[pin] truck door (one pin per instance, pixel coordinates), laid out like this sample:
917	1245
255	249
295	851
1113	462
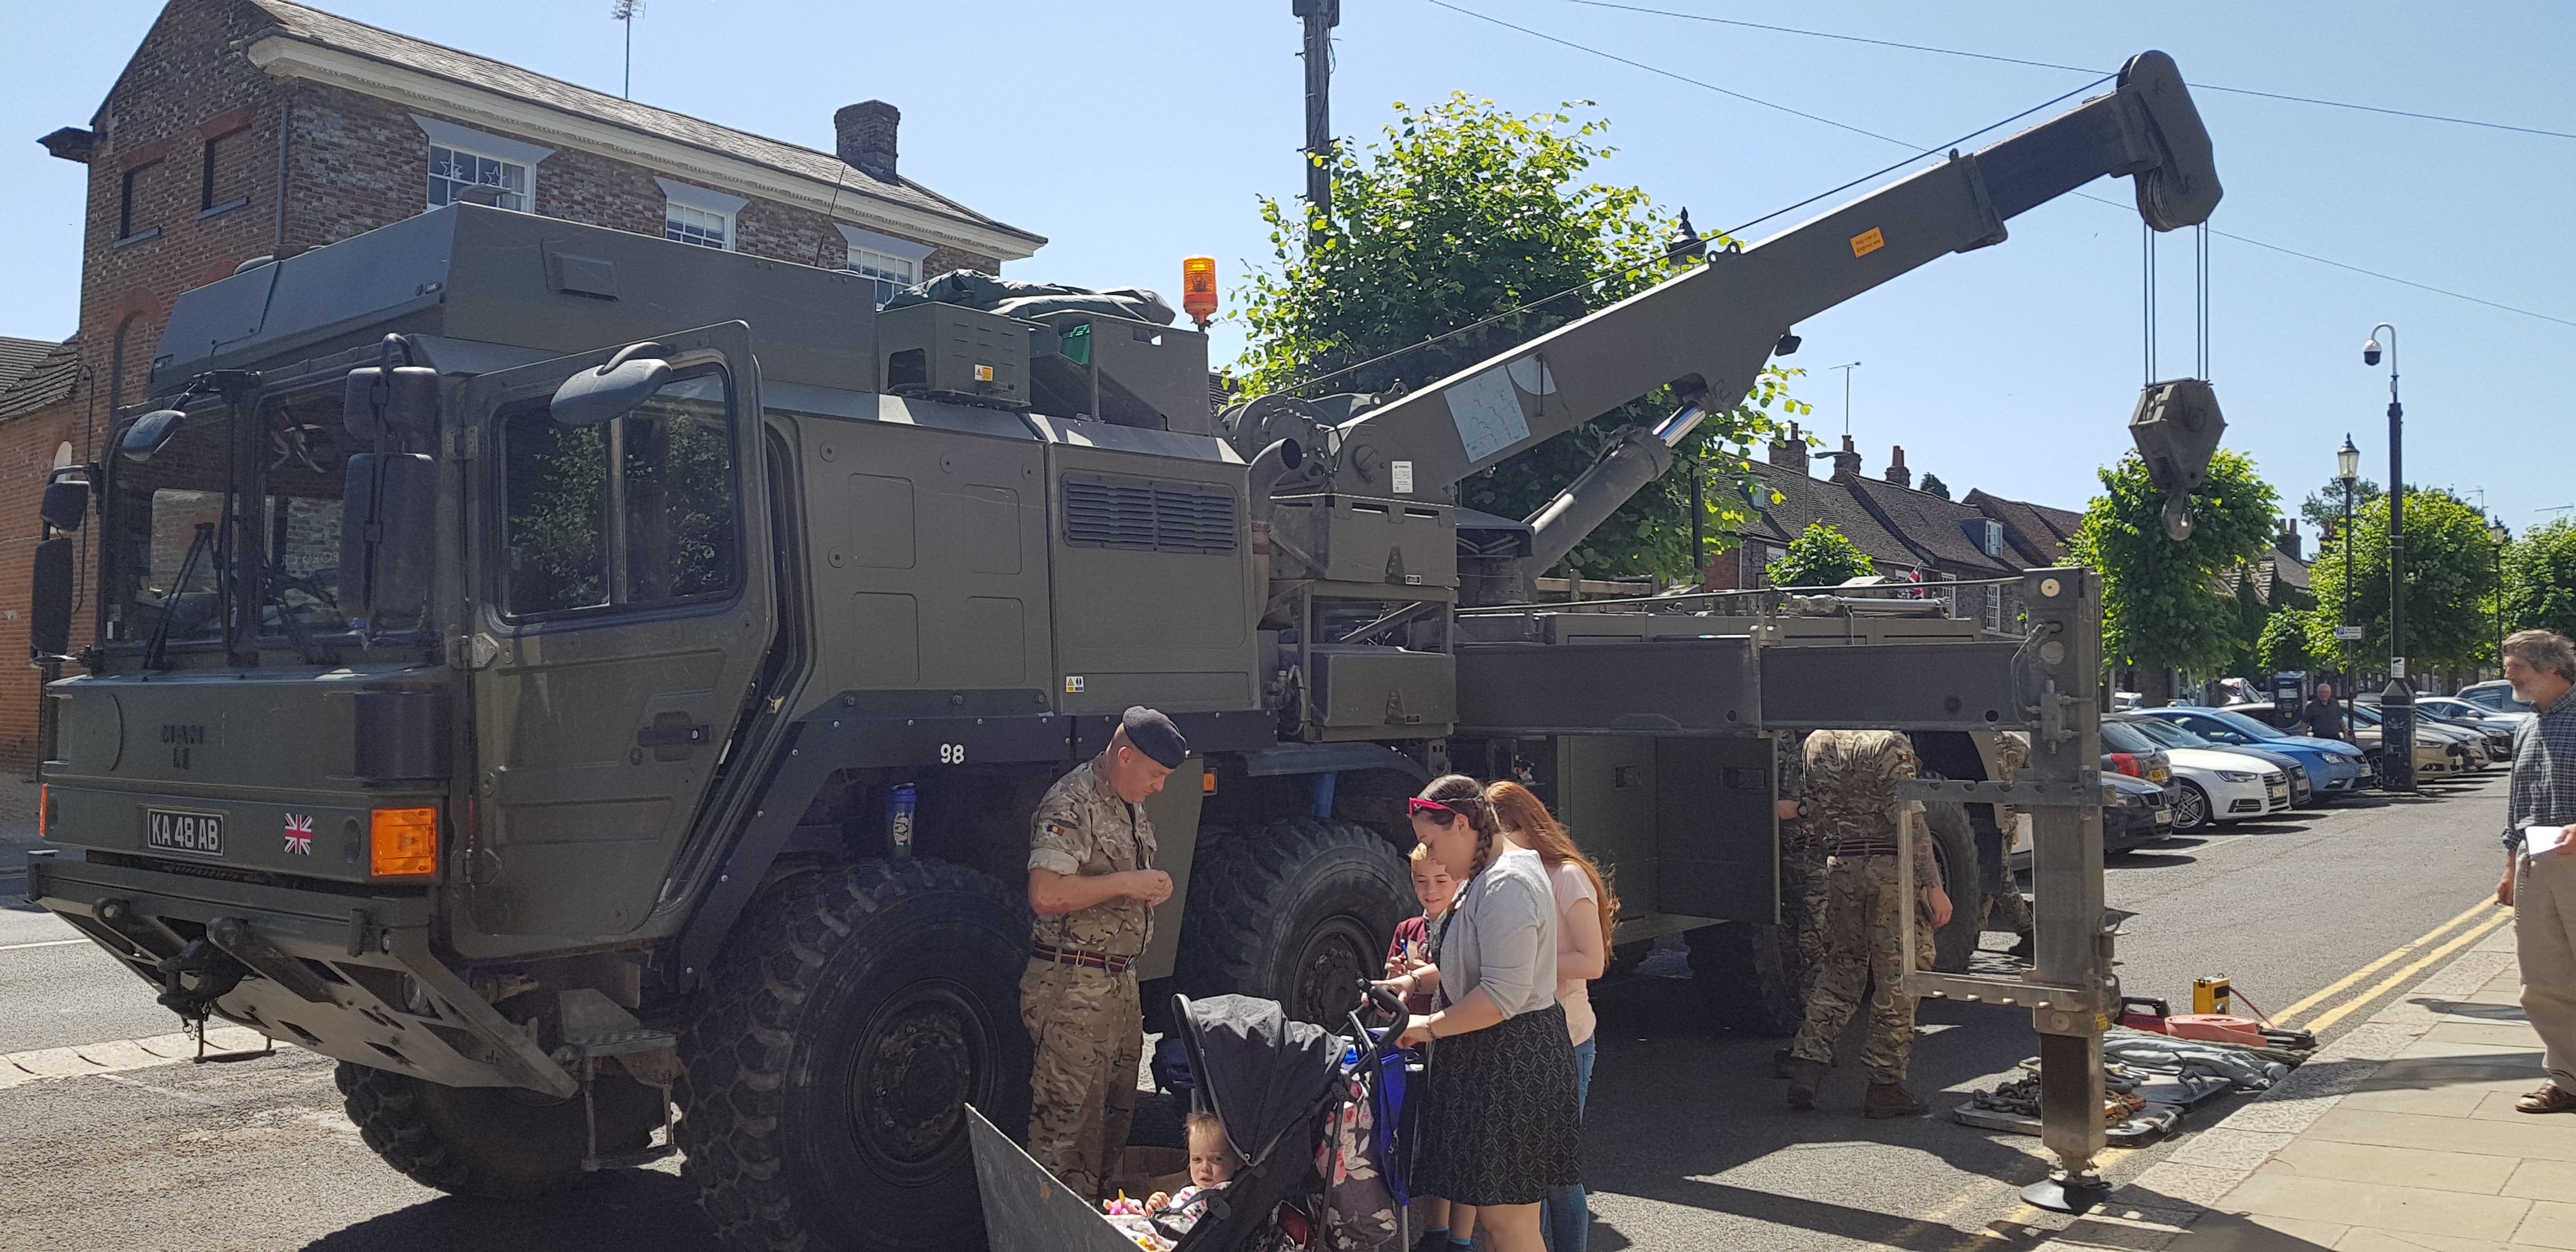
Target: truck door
620	599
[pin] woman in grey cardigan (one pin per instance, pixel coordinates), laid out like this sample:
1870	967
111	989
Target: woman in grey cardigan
1501	1125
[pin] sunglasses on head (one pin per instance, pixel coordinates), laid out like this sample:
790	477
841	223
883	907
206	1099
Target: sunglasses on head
1437	811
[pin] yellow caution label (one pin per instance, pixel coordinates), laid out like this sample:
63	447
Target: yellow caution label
983	373
1867	242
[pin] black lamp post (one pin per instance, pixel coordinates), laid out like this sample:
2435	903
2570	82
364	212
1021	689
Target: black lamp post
2347	468
2397	702
2496	531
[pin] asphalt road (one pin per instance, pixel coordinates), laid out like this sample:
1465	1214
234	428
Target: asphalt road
1688	1142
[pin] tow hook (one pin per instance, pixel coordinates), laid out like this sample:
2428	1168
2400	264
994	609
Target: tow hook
216	971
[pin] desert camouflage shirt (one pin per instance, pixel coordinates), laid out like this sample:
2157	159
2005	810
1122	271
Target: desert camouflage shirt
1850	790
1082	827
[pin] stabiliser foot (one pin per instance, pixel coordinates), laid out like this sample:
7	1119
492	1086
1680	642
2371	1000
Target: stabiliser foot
2064	1193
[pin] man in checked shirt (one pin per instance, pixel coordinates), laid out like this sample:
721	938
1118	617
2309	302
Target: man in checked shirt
2541	886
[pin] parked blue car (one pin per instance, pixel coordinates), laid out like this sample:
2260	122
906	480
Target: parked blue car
2334	767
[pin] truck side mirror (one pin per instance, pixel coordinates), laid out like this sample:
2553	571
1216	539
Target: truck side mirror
385	526
599	396
49	609
149	434
66	504
399	401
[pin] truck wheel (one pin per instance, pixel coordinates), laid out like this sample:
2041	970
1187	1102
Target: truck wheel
851	1015
1747	975
1954	844
493	1143
1296	911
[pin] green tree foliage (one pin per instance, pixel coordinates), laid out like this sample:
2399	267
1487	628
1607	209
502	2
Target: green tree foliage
2540	579
1822	557
1464	231
2161	603
1933	486
2450	579
2323	509
2283	644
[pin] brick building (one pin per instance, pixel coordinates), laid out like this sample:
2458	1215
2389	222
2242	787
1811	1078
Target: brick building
253	128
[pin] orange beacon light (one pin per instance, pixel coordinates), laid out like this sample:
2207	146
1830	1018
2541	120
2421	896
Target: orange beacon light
1198	288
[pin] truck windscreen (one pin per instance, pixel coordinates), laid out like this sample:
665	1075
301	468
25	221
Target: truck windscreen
166	547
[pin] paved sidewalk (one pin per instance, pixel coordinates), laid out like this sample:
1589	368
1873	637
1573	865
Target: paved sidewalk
2400	1136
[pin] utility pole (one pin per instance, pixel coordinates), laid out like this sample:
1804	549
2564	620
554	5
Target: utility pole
1320	16
2397	703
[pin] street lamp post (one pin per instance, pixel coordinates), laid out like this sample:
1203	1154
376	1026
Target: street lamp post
2347	468
2497	533
2397	702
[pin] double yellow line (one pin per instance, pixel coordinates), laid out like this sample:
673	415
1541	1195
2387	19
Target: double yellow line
2333	1004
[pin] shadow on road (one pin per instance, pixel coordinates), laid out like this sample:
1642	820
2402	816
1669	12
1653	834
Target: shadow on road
1705	1147
627	1210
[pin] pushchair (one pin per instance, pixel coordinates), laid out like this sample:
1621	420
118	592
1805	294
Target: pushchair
1285	1091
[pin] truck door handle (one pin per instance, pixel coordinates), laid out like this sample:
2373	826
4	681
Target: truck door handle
670	736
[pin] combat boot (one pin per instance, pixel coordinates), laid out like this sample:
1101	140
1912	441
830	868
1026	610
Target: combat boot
1804	1078
1887	1099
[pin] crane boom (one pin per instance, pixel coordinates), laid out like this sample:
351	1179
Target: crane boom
1706	333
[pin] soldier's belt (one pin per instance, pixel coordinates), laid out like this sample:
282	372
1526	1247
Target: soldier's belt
1863	849
1076	956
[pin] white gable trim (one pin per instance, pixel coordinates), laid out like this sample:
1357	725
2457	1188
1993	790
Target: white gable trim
887	244
283	57
450	135
700	198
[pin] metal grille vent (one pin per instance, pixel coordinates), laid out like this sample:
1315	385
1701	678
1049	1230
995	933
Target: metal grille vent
1144	516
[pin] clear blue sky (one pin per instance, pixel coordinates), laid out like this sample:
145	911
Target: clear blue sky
1135	132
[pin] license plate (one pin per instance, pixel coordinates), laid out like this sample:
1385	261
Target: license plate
171	831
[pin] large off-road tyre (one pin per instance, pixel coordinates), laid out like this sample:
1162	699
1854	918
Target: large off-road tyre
1747	974
493	1143
852	1014
1296	911
1954	844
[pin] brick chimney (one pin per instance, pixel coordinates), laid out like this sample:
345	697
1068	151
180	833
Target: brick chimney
2288	540
1896	471
1790	453
866	132
1847	463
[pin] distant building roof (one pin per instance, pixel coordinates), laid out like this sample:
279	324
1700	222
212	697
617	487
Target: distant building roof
477	75
17	356
1931	525
2037	532
46	380
1804	500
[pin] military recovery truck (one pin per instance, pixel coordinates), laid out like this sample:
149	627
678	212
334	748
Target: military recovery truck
566	675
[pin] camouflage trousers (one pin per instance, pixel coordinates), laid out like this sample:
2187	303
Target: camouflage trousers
1089	1036
1802	911
1861	935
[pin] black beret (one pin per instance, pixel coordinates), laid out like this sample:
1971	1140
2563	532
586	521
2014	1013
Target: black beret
1153	734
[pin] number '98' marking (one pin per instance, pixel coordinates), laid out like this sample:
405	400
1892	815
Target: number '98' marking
952	754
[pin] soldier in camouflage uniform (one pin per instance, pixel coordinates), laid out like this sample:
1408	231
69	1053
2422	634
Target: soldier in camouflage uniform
1852	808
1093	885
2011	751
1802	876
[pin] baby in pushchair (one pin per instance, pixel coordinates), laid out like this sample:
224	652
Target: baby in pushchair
1164	1217
1292	1147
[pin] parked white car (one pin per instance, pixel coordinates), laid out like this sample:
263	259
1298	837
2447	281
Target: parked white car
2208	784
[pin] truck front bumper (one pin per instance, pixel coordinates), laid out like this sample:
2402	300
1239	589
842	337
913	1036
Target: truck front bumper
348	975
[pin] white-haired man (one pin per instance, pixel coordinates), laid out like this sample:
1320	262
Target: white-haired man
2540	855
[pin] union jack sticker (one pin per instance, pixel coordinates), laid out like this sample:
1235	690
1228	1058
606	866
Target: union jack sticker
299	834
